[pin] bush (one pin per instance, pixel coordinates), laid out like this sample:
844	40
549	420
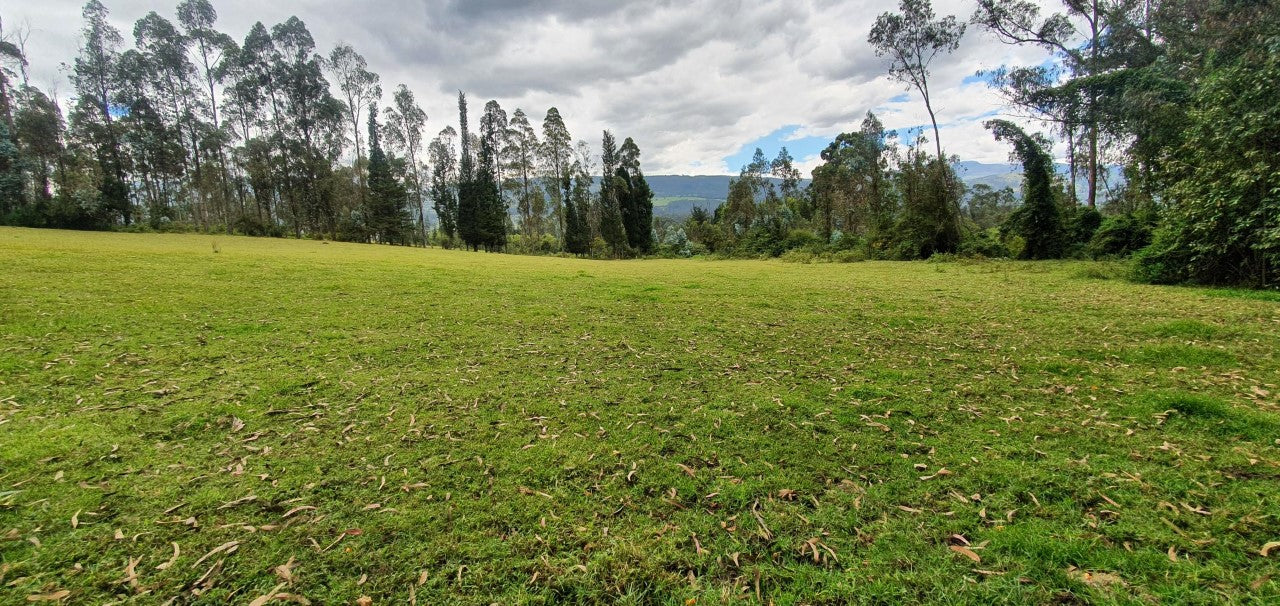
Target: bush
802	239
985	244
1120	236
1082	223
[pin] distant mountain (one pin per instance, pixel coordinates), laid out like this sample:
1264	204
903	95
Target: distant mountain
676	196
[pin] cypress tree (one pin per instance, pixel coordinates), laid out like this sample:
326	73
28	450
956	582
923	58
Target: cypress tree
385	214
469	192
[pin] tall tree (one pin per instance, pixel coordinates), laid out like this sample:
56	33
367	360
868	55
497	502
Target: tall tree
359	87
470	192
522	165
635	198
610	219
1093	40
386	212
211	47
406	123
12	181
557	166
1038	221
912	40
492	208
94	76
444	182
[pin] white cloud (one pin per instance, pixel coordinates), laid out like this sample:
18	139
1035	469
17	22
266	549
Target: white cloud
691	81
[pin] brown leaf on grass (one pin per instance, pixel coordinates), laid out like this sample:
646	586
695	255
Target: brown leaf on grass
49	597
285	571
787	494
131	574
685	468
269	596
941	472
966	552
296	510
240	501
697	545
228	547
422	578
75	519
1095	579
1173	554
364	600
172	560
1266	549
909	509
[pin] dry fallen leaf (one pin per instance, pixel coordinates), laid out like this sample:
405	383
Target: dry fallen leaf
966	552
172	560
1266	549
270	595
1094	579
364	600
285	570
49	597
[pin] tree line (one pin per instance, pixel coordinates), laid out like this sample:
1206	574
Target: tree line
190	129
1183	95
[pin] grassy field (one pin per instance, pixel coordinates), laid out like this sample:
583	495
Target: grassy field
197	419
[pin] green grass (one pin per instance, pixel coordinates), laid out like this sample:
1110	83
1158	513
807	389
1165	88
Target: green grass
475	429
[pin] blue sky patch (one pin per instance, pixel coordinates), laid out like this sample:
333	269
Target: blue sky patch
799	148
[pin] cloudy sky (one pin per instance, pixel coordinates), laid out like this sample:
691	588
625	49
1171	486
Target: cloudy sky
699	84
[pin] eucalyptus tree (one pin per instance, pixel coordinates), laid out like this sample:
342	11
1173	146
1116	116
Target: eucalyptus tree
163	75
94	76
312	118
851	188
522	166
405	124
211	48
556	163
10	54
444	181
912	40
359	87
1091	38
40	138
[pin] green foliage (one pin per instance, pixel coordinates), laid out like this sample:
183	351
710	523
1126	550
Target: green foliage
386	214
12	179
1221	223
1120	236
1038	221
929	221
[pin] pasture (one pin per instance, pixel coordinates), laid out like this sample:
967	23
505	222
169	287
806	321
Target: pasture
214	419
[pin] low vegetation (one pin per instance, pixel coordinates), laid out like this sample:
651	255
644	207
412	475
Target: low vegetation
239	420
